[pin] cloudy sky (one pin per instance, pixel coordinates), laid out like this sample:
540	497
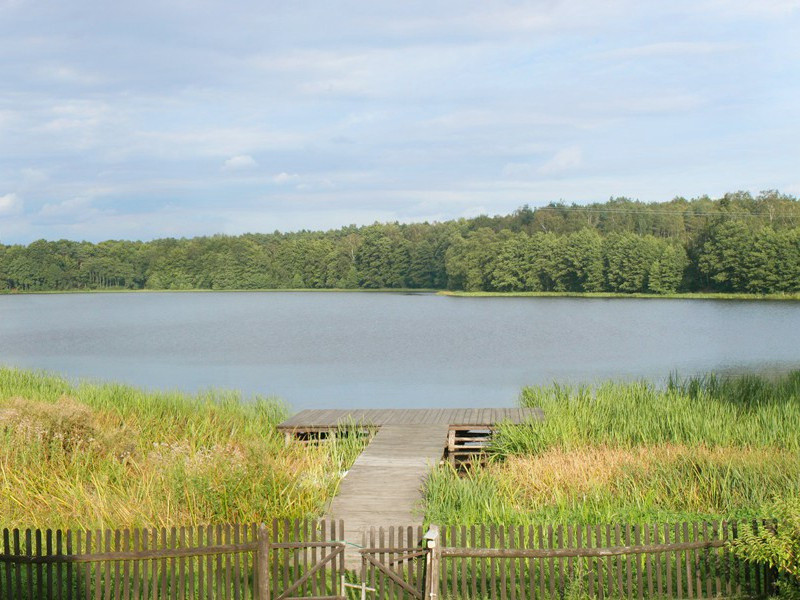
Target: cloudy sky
185	117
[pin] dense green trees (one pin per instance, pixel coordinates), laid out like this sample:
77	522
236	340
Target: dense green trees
738	243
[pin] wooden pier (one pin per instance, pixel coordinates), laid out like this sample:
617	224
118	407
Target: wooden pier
385	482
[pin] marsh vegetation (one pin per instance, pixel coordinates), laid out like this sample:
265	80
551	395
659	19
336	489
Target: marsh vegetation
702	448
107	456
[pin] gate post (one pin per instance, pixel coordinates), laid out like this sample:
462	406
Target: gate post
262	563
432	560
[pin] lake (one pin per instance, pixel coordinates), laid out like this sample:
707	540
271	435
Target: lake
351	350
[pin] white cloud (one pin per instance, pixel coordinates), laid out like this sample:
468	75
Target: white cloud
666	103
665	49
202	140
241	162
68	74
74	208
564	160
10	204
283	178
31	176
762	8
77	114
518	170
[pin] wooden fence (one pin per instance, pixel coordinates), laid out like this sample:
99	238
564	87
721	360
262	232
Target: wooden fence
203	562
293	559
685	560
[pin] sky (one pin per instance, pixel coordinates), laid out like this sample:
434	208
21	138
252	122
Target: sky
169	118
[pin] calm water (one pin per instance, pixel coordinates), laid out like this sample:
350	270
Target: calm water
394	350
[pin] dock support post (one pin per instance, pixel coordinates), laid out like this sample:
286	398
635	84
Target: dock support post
451	446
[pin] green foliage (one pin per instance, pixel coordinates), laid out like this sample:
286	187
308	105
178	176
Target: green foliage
777	545
629	259
735	244
701	448
714	411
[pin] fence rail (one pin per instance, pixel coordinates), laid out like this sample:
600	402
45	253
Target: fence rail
635	561
305	558
202	562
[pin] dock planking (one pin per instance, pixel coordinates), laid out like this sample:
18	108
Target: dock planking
312	420
384	484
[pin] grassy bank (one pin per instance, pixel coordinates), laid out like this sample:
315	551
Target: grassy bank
676	296
111	456
702	448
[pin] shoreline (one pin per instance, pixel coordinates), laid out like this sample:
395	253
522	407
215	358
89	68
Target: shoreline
744	297
618	295
236	290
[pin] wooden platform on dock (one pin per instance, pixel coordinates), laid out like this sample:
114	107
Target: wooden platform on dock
316	420
384	484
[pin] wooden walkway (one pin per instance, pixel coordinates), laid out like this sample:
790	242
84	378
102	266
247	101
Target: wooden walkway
384	484
311	420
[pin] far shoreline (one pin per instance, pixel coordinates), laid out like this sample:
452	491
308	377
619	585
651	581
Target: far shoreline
211	291
742	297
619	295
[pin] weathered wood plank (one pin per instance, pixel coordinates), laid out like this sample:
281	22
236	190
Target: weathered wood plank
383	486
330	419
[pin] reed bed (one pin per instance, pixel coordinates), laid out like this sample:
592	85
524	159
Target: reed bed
702	448
86	455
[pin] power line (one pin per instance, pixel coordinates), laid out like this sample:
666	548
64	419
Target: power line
680	213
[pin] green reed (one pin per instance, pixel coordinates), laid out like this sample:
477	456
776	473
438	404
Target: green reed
707	447
108	455
710	410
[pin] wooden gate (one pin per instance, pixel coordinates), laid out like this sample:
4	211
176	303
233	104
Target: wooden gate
334	551
393	562
303	560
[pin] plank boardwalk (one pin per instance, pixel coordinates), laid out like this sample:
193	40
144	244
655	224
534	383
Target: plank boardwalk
310	420
385	482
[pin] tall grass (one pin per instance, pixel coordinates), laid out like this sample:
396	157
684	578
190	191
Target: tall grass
107	455
748	411
705	447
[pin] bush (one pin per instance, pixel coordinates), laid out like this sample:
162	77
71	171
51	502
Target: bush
777	545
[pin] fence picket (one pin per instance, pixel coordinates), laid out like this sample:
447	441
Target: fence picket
646	563
531	566
680	560
637	537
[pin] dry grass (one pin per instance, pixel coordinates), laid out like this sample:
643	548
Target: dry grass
706	447
112	456
610	484
599	471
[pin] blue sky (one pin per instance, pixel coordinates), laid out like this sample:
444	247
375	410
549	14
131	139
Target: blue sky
181	118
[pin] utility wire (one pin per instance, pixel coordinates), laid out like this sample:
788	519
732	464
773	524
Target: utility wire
680	213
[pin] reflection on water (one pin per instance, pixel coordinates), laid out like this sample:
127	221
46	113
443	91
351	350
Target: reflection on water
375	349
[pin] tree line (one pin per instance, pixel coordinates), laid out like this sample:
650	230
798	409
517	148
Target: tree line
737	243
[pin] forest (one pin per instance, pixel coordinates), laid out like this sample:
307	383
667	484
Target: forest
739	243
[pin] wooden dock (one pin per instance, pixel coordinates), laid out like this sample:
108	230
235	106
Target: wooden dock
385	482
318	420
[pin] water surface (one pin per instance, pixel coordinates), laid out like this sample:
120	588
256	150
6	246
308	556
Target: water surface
343	350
